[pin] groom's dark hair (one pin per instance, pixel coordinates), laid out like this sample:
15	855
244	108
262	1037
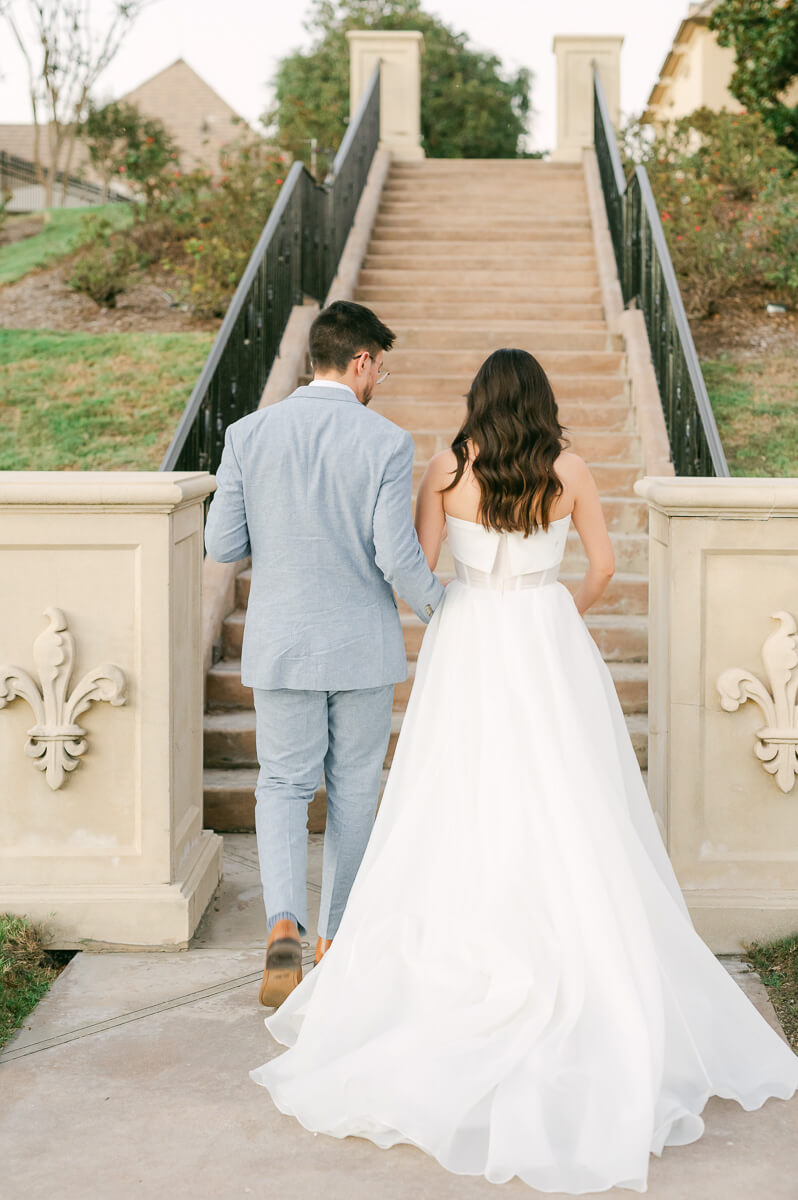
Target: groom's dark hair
341	330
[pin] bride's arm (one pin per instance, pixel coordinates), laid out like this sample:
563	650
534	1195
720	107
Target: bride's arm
430	520
588	520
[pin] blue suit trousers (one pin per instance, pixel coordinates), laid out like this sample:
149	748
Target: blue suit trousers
298	734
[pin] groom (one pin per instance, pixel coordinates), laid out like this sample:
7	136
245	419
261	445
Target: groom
317	489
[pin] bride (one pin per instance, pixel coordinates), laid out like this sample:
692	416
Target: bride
516	986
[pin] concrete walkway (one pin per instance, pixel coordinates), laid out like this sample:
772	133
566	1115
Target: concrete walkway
130	1080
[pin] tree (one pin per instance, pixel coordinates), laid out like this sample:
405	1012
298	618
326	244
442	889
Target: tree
123	142
64	53
469	107
764	36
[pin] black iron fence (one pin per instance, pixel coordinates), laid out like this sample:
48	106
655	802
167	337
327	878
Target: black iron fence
296	255
648	279
23	191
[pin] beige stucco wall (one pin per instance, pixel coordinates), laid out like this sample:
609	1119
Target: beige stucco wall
575	55
399	54
117	851
723	559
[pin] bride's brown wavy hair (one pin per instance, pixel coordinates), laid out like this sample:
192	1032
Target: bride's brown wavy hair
511	418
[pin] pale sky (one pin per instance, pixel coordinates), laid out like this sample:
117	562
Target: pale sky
235	46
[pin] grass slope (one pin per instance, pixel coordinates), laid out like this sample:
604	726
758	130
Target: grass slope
59	236
755	402
93	402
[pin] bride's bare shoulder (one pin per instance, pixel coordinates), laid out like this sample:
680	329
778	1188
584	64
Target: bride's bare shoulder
570	467
442	466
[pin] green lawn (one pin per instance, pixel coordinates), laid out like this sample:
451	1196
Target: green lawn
755	403
93	402
60	235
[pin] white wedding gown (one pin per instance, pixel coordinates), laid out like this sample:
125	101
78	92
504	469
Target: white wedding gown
516	986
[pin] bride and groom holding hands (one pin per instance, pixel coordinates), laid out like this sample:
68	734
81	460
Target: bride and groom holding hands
507	975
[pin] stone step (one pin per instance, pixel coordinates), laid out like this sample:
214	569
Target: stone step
473	313
448	415
501	301
487	166
229	800
437	208
607	387
534	336
590	444
625	593
229	792
530	233
577	284
485	266
462	362
566	246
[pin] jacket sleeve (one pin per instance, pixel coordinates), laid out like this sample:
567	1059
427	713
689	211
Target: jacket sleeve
226	532
397	550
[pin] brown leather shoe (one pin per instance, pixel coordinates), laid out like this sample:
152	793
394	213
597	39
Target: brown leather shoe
322	946
283	970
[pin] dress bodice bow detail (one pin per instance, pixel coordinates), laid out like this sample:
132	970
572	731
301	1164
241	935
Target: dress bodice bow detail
478	547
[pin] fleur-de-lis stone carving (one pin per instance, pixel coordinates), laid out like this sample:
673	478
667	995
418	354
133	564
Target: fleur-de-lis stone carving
776	744
56	742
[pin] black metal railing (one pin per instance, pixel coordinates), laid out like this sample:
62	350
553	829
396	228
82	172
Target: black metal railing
647	279
22	186
297	254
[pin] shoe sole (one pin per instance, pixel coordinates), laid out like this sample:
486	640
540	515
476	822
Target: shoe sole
282	973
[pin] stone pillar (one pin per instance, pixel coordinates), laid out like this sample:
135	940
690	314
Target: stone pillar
723	675
101	703
400	98
575	89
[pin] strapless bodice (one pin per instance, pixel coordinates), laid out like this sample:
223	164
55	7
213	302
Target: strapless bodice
506	560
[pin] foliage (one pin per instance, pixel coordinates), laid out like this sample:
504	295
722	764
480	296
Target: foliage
26	970
123	142
93	401
764	35
469	108
728	201
107	264
219	221
63	231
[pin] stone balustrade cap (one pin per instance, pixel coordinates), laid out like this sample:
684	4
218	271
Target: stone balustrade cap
156	489
755	498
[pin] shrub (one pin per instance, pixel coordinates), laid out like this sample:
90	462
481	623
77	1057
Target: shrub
106	264
728	197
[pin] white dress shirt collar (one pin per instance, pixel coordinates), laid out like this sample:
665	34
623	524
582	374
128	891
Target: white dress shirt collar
331	383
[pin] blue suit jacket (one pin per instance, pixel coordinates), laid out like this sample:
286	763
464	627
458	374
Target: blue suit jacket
317	488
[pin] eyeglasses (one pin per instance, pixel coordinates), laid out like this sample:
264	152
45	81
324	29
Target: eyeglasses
383	374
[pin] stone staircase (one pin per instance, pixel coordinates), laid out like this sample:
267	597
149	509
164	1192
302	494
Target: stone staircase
466	256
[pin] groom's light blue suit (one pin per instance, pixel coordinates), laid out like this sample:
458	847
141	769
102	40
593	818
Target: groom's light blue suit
318	489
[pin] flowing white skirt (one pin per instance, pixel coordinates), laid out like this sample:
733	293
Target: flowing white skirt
516	986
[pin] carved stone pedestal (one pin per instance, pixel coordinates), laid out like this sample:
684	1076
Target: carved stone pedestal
101	702
723	684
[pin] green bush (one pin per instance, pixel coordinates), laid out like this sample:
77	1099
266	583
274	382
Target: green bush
106	265
727	194
198	226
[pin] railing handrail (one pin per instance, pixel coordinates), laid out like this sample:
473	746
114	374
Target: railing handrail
660	248
354	124
682	324
231	316
609	130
